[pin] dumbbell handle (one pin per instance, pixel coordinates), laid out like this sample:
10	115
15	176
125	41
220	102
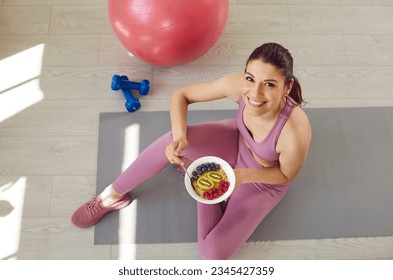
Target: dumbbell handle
119	82
132	104
127	94
131	85
143	87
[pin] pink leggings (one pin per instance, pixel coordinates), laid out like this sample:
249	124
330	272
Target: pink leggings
220	233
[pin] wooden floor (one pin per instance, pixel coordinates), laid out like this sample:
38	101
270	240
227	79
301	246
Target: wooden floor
57	58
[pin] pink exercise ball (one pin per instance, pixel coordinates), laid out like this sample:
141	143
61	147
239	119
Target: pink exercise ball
168	32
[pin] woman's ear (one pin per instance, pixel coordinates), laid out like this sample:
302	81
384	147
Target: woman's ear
289	87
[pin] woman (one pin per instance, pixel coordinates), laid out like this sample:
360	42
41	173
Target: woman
266	145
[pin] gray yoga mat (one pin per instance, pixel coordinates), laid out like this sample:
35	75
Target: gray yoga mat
344	189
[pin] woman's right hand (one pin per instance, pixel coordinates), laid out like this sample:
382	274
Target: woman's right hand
174	150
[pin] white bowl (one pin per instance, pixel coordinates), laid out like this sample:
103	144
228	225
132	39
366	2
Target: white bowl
224	165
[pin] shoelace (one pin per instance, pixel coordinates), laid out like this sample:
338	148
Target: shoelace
92	206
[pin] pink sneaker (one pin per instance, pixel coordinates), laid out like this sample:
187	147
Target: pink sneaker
93	211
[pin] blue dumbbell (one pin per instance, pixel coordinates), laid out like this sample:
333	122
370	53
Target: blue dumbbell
132	104
122	82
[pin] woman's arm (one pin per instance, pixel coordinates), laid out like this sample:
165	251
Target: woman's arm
267	175
229	86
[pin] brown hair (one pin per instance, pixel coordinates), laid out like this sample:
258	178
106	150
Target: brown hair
281	58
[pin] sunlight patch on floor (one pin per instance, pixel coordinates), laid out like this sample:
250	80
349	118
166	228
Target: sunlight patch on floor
19	83
11	211
128	215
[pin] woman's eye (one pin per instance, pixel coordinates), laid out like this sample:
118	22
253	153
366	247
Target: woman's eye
269	84
249	79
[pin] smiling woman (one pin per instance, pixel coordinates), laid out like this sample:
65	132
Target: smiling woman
278	57
266	145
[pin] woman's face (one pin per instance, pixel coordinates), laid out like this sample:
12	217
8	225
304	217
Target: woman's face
264	89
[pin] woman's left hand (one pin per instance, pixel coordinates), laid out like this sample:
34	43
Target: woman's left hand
174	150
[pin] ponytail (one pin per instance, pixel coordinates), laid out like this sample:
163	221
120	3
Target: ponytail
296	92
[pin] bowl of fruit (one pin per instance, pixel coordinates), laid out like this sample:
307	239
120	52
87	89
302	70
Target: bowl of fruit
212	180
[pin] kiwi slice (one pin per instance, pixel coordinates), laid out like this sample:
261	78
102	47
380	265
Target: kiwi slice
215	176
205	183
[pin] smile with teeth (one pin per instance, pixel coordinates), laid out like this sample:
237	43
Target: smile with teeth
256	103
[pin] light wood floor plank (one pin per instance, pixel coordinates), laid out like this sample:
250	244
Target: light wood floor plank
58	239
275	20
317	2
88	82
58	49
316	249
73	118
80	20
345	82
341	19
37	194
24	20
234	49
63	200
376	50
48	155
112	52
54	2
185	75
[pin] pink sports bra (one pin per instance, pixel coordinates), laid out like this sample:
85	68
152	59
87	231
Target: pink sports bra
265	149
